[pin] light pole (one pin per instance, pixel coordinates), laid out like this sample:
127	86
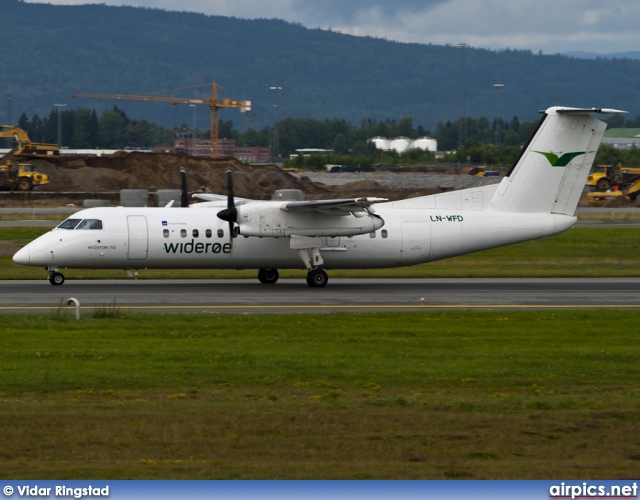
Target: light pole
9	109
498	86
194	133
462	132
274	153
59	124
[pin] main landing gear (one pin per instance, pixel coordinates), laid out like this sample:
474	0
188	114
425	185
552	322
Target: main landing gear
55	278
316	278
268	276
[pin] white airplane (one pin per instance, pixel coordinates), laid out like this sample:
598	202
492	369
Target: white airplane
537	198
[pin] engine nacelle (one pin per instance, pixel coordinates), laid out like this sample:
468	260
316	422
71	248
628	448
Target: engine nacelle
269	220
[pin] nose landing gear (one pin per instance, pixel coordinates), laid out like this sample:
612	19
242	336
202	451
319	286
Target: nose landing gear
55	278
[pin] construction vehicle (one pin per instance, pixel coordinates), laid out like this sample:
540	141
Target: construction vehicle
482	172
619	182
24	148
604	177
20	176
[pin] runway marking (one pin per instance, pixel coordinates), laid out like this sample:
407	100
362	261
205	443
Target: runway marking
328	307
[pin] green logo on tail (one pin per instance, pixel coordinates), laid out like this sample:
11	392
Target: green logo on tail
561	161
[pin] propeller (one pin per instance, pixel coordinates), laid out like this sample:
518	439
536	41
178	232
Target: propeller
184	196
230	214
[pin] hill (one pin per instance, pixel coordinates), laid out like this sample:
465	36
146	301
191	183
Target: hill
51	52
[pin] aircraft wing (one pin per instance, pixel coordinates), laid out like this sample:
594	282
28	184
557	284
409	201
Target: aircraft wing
219	197
336	207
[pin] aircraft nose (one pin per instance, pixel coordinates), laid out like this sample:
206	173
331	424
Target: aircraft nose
22	256
35	253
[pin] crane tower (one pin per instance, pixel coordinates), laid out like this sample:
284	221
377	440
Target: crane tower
210	100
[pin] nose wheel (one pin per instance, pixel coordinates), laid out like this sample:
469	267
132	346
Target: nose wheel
56	278
317	278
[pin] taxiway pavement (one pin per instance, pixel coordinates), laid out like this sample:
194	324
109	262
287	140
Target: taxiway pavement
294	295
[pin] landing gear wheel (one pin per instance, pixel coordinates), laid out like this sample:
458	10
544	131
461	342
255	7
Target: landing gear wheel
268	276
317	278
56	278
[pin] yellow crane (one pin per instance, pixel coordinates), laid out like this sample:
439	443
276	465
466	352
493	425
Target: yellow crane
210	100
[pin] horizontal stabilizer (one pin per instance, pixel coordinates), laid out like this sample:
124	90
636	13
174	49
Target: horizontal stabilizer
562	110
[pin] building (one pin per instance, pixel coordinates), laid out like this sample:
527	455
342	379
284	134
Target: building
185	142
623	138
306	152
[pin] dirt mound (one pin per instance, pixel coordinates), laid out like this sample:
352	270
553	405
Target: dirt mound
105	176
153	171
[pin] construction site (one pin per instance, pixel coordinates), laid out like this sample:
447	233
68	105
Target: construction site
38	175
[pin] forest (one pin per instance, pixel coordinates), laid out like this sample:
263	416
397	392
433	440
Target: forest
489	142
51	52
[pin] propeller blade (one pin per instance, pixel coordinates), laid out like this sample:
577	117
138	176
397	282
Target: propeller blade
230	201
230	214
184	196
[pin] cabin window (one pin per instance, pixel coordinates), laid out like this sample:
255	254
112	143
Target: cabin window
90	224
372	235
183	233
384	233
165	233
220	233
195	233
208	233
69	224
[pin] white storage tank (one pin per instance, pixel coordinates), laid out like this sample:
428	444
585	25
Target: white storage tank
425	144
400	144
380	143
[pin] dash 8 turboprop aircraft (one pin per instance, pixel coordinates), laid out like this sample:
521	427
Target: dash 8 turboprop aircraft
537	198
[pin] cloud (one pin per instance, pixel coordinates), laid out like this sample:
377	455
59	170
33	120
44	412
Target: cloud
356	11
548	25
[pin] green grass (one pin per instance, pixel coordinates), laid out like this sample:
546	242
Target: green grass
430	395
580	252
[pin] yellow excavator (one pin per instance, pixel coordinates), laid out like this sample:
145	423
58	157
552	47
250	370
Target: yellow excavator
24	148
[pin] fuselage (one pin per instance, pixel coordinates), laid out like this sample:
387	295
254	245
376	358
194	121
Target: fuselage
137	238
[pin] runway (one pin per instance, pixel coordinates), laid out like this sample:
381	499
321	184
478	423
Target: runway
293	295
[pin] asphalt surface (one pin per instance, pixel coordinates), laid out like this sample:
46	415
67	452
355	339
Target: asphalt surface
294	295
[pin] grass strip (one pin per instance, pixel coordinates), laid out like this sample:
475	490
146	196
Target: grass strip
431	395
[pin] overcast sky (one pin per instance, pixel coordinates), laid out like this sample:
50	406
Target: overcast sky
550	26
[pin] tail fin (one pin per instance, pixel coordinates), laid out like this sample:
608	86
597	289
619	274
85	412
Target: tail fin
551	170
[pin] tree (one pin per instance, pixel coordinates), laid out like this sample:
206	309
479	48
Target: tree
112	129
340	144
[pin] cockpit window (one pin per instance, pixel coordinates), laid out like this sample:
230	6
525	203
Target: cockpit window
81	224
69	224
90	224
